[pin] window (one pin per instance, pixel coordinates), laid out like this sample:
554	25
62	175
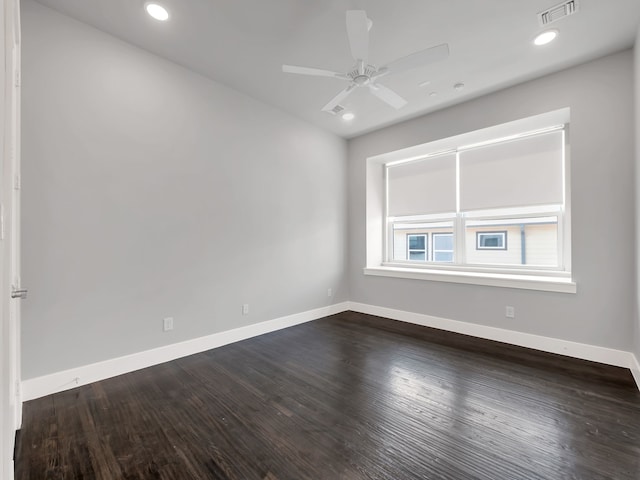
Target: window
442	247
491	240
515	183
425	247
417	247
490	202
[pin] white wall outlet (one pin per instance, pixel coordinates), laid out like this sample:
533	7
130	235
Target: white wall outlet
167	324
329	292
245	309
509	312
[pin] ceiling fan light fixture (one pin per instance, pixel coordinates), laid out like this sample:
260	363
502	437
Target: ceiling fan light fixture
545	37
347	117
157	11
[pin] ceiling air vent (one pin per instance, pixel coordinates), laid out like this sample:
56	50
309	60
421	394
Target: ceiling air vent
559	11
336	110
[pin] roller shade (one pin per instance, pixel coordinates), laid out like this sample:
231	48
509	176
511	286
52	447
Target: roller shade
522	172
422	187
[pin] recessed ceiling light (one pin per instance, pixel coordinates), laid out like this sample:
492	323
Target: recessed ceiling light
545	37
156	11
458	86
348	116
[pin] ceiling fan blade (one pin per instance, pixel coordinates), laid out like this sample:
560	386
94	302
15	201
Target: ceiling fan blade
338	98
317	72
358	32
418	59
387	95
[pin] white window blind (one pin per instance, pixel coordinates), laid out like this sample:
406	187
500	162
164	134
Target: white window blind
423	187
522	172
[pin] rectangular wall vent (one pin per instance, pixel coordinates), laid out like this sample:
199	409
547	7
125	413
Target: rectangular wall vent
337	109
559	11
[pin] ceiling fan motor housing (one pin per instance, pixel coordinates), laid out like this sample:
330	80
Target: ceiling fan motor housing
364	78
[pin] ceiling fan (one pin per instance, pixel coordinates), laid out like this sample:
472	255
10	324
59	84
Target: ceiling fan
364	75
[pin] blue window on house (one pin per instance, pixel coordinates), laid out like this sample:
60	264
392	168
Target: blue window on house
443	247
417	247
491	240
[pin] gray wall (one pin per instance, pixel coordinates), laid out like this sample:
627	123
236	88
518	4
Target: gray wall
150	191
602	182
637	214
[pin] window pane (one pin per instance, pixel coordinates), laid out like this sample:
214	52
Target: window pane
416	242
443	247
443	256
443	241
417	256
491	241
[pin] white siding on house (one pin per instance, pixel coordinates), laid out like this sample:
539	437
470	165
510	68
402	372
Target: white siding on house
541	246
510	256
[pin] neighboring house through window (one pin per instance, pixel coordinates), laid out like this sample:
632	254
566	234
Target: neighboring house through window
429	247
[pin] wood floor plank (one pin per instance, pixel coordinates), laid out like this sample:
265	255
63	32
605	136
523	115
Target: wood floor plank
349	397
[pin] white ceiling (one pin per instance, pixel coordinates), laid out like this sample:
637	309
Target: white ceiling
243	44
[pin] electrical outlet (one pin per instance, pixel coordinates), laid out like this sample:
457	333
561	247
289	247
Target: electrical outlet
167	324
509	312
329	292
245	309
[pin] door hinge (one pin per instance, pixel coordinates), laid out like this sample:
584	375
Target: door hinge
17	182
19	293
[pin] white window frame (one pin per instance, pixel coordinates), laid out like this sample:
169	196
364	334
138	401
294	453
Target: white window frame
377	224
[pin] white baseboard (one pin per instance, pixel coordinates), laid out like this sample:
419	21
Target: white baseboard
67	379
618	358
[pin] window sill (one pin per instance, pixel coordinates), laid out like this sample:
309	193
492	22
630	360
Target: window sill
526	282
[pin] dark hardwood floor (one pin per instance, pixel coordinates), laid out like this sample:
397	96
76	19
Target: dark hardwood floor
347	397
